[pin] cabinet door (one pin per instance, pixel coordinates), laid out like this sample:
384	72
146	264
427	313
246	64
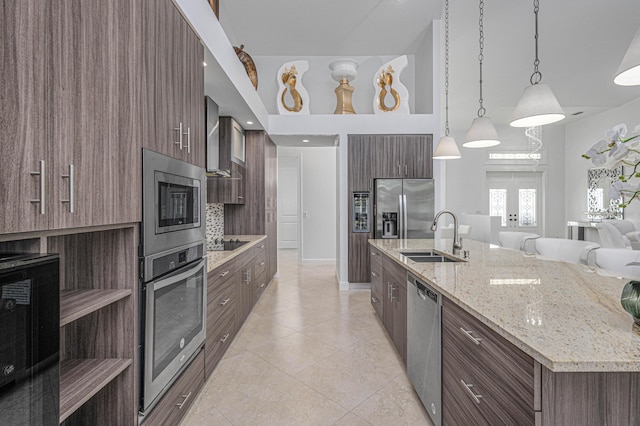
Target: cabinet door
271	174
359	266
169	30
24	117
417	153
387	158
360	162
399	297
95	142
272	243
245	291
193	99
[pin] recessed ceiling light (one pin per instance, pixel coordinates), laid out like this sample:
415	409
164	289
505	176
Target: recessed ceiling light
305	140
578	113
204	63
249	122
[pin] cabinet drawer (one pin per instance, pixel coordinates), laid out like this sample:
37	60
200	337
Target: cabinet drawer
260	264
377	301
376	274
246	257
502	373
176	402
221	272
375	254
219	300
219	336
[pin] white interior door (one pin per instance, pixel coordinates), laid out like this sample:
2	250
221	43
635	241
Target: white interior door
288	201
517	198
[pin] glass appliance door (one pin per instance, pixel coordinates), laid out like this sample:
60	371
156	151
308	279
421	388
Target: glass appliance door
178	202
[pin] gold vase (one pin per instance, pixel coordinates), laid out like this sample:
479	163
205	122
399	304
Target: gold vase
344	92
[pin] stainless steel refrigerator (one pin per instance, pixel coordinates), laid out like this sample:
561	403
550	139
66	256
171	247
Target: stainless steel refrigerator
404	208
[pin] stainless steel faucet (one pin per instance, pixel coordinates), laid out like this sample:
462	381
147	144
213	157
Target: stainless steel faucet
457	244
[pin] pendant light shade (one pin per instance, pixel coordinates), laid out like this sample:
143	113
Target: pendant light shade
629	70
538	106
481	134
447	149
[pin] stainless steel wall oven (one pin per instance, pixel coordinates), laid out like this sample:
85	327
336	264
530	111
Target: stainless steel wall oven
173	273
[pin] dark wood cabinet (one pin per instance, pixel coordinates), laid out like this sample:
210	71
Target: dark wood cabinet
178	399
380	157
485	378
70	114
222	305
258	215
394	280
95	132
173	84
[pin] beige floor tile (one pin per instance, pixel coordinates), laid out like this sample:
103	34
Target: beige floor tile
351	420
289	402
202	414
294	352
301	318
259	331
395	404
338	332
270	304
345	378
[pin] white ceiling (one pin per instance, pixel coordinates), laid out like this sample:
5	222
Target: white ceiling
581	44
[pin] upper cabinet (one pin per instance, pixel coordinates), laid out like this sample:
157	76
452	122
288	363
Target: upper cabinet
70	114
403	156
173	85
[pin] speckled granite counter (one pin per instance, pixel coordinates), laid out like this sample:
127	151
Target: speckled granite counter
565	316
216	258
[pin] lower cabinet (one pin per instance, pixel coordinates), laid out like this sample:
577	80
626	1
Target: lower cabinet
176	402
394	302
486	379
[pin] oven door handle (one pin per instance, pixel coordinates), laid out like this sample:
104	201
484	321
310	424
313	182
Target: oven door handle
180	275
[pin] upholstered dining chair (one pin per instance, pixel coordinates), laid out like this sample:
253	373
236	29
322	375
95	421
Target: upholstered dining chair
516	240
611	237
617	262
574	251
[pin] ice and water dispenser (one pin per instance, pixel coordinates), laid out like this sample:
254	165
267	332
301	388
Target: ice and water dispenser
389	225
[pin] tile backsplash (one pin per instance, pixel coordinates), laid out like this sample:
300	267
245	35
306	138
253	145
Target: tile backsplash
215	225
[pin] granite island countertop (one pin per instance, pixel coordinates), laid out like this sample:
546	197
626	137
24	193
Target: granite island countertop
566	316
216	258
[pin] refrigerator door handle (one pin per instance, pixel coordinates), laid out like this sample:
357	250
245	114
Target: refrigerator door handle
400	216
405	232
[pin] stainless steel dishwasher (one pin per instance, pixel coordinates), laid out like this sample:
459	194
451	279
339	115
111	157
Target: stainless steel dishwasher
424	343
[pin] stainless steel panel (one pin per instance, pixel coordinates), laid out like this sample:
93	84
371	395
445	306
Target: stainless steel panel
419	207
387	194
424	345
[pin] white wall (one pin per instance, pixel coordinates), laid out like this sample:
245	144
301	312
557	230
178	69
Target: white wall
318	189
465	178
580	136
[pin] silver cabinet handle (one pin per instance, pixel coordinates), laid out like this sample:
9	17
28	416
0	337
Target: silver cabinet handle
374	274
399	174
184	401
261	264
475	340
373	253
261	285
179	130
41	200
406	172
262	246
188	139
240	197
224	273
473	395
224	338
71	188
374	300
225	301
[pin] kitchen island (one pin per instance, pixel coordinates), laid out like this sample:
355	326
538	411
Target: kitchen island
571	346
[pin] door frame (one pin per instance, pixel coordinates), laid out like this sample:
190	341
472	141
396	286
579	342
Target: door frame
544	176
298	160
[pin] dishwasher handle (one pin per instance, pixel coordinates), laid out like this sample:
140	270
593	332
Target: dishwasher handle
424	292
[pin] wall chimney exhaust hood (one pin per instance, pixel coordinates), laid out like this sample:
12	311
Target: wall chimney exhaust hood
212	122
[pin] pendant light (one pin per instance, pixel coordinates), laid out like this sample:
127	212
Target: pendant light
538	105
481	134
447	148
629	70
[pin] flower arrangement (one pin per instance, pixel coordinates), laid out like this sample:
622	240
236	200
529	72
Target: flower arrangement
619	150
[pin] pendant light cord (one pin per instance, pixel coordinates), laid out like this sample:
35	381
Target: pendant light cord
536	77
481	110
446	67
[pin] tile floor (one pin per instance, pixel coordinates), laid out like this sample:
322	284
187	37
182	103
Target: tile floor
309	354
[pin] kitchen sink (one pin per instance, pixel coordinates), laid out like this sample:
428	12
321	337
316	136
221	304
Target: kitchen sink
428	256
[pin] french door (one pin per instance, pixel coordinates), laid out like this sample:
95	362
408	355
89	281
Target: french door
517	198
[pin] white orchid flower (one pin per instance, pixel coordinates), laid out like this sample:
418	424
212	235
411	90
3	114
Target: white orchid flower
598	157
617	132
619	150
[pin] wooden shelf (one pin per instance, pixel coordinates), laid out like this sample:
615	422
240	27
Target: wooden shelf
81	379
75	304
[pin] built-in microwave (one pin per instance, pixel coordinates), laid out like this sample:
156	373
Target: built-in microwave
173	203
